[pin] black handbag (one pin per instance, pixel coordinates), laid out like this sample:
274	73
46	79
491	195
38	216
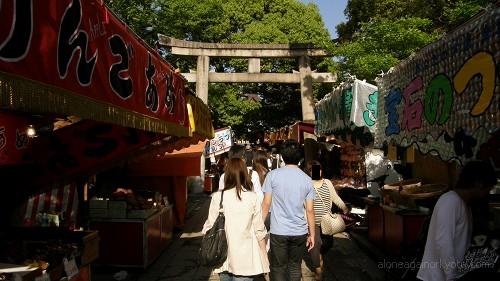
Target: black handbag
213	250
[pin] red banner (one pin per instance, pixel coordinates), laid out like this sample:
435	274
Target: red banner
81	48
14	143
87	146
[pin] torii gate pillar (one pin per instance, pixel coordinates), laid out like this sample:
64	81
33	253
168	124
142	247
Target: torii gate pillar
306	90
202	78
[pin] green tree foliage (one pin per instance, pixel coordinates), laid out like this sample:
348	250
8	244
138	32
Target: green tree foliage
237	21
380	33
460	11
356	12
382	43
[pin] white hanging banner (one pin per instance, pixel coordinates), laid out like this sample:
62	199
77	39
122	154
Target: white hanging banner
364	104
334	110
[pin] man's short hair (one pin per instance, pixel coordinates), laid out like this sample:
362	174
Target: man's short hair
477	172
291	152
236	151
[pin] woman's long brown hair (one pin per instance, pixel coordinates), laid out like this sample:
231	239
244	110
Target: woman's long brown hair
260	165
236	176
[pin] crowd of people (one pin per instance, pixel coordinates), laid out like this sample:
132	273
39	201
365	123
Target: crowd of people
273	211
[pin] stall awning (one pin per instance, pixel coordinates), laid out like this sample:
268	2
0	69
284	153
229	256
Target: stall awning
183	162
74	57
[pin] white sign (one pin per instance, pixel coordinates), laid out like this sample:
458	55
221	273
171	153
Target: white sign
70	267
220	143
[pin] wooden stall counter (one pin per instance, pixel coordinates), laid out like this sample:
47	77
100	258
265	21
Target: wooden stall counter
402	228
143	238
392	228
375	217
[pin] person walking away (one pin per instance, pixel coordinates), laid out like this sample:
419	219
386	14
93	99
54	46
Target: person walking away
259	171
260	167
325	192
286	191
450	229
245	230
238	151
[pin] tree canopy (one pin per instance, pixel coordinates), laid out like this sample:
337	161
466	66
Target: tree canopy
380	33
237	21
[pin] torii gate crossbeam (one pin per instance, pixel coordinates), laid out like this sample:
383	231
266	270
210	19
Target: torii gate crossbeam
253	52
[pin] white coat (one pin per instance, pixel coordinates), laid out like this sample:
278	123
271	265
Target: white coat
245	232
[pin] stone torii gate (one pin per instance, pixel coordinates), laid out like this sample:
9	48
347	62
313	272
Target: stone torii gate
253	52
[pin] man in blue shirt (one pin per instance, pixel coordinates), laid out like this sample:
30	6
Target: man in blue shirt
286	191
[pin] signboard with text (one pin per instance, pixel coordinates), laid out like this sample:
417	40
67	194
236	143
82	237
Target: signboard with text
221	143
76	48
446	98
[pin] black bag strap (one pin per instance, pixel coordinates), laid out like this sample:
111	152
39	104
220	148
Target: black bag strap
221	199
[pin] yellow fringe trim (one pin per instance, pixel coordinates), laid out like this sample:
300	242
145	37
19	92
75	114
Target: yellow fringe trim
199	117
21	94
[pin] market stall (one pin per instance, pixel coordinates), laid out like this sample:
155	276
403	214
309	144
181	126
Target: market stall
299	131
346	120
79	94
149	195
441	104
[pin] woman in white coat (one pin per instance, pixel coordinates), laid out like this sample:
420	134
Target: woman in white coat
245	230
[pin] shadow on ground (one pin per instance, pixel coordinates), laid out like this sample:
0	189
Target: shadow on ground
179	262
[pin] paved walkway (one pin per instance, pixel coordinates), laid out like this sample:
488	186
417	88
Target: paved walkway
178	262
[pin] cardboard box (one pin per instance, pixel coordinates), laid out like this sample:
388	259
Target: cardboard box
117	209
98	204
117	205
117	213
141	214
98	213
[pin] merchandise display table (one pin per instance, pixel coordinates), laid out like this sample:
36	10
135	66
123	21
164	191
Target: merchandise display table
143	238
49	246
